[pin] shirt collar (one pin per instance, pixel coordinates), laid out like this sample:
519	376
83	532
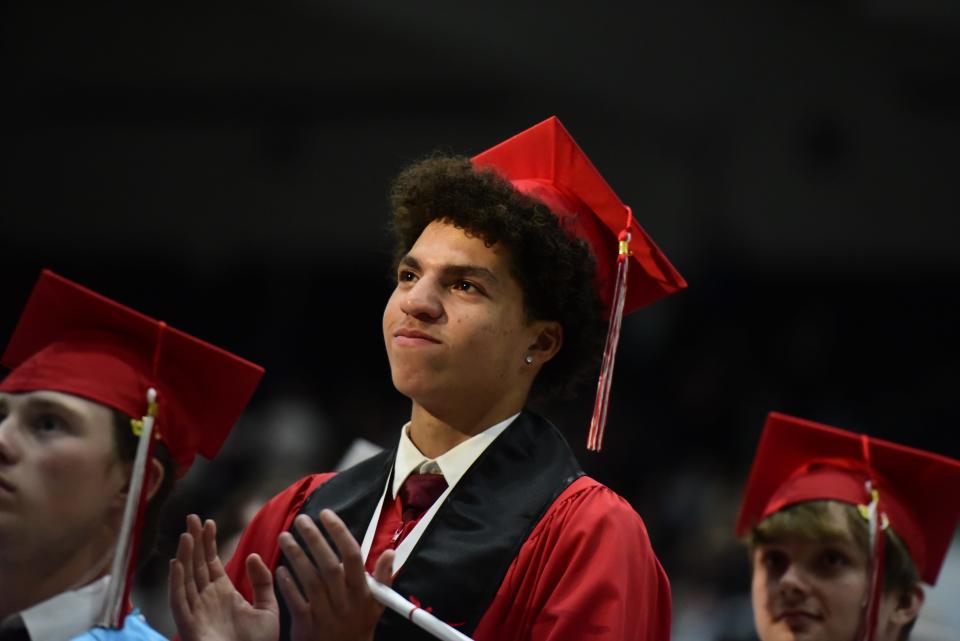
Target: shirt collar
68	614
453	464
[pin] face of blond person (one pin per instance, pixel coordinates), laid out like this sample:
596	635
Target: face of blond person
61	481
815	590
455	327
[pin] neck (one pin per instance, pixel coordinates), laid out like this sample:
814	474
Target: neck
435	434
29	579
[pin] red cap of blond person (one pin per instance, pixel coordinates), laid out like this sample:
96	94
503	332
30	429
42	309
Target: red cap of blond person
912	491
545	163
190	393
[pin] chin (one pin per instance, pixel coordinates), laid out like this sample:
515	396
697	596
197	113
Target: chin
410	384
783	632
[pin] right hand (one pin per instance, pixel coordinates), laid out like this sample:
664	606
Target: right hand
205	604
336	603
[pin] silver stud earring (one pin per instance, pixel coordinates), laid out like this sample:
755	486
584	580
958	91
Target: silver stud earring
528	359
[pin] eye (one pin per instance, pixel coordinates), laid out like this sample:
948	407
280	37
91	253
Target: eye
464	286
406	276
48	424
467	287
831	558
775	561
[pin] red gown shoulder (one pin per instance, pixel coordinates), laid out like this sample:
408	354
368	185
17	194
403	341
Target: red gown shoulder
586	572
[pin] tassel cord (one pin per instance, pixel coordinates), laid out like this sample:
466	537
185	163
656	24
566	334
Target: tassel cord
599	420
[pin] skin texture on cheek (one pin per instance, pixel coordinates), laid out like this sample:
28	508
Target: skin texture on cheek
83	483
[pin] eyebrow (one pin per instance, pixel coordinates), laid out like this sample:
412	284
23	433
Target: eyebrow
41	404
455	271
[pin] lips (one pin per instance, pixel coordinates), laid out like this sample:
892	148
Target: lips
407	336
797	616
4	485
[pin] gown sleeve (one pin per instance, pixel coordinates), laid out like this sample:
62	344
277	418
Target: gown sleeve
586	573
260	535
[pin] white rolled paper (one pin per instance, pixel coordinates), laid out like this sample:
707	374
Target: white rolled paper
389	598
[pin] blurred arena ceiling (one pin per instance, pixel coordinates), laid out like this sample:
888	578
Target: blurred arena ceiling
816	133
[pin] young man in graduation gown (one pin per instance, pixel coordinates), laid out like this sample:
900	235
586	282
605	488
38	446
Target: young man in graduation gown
507	267
71	410
842	528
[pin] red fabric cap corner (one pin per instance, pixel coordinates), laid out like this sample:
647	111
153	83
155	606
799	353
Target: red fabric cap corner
799	460
73	340
546	163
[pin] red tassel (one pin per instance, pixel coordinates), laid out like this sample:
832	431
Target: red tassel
871	610
876	521
599	421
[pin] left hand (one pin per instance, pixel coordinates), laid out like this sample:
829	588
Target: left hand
335	603
205	604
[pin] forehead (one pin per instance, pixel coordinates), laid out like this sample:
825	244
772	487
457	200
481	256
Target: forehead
807	521
444	243
53	400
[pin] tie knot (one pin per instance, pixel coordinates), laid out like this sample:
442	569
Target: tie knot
419	492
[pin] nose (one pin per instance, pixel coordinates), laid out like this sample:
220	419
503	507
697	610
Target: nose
422	301
9	450
793	582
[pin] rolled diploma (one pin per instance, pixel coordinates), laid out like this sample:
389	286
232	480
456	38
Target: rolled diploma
389	598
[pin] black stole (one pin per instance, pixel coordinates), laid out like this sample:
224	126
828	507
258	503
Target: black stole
459	563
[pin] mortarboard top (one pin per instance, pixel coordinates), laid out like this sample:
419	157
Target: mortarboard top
70	339
545	163
799	460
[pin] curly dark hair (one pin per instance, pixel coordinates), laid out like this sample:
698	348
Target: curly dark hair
555	270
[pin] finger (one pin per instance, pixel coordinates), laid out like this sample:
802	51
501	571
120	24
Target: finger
383	570
214	565
182	613
264	598
200	573
185	558
326	561
350	555
297	605
302	567
178	596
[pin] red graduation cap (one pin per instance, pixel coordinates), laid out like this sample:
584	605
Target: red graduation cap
545	163
799	460
190	393
73	340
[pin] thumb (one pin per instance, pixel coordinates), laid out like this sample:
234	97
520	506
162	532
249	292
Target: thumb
383	570
261	580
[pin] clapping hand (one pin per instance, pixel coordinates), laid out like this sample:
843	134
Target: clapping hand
335	602
205	604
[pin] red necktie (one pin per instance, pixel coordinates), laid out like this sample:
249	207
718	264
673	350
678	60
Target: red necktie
418	493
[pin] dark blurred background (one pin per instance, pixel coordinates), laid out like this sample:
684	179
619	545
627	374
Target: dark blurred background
225	166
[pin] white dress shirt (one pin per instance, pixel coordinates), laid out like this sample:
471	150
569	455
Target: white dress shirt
452	464
66	615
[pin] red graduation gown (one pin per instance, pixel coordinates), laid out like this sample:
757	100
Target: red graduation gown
587	571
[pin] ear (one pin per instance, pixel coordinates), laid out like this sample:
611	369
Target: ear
548	339
907	606
155	477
